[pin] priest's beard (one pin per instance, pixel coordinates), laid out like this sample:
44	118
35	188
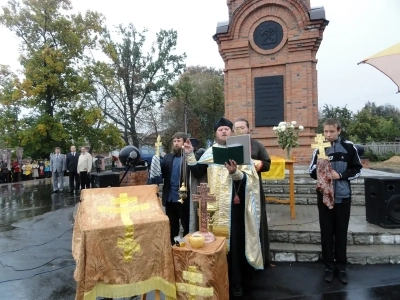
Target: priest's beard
177	151
221	141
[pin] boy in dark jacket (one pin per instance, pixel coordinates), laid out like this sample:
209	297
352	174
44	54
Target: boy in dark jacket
334	222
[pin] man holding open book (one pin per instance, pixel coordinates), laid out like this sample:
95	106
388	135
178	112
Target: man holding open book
237	216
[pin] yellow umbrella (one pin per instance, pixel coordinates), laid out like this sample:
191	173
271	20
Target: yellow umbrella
388	62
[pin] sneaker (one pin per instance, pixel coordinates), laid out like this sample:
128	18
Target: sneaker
328	276
343	277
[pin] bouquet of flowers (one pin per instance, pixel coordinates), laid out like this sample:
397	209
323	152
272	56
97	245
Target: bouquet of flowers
288	134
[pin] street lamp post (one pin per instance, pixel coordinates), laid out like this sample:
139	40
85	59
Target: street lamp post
185	117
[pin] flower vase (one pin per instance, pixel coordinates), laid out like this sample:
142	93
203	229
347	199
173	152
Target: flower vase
289	153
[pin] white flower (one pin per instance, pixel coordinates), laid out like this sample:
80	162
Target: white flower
282	123
282	128
293	122
274	128
301	128
291	126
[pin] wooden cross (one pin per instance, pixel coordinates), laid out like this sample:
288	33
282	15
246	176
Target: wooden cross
158	144
125	207
320	145
191	288
203	197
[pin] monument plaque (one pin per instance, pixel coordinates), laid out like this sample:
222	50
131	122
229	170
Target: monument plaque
268	94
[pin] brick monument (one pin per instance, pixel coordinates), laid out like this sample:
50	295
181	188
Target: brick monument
269	48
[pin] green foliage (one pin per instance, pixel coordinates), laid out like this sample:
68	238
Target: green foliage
343	115
132	81
201	91
368	126
376	157
54	85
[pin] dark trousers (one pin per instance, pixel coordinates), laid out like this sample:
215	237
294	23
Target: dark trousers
74	181
84	178
175	212
334	224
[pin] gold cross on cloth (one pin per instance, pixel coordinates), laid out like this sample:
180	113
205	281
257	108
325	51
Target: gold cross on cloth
191	288
124	207
321	145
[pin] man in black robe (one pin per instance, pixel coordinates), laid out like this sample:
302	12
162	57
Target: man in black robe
262	163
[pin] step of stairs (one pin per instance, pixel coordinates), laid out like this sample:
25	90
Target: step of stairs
356	254
304	189
299	239
311	199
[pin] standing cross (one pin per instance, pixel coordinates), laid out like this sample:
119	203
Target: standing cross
203	197
158	144
320	145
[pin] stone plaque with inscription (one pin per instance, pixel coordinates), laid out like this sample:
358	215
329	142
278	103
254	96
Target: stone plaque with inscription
268	94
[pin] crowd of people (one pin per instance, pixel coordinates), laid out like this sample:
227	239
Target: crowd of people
77	166
27	169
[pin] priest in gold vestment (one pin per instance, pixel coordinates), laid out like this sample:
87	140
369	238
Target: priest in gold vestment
237	206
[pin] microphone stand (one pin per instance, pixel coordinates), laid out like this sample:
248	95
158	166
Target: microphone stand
127	170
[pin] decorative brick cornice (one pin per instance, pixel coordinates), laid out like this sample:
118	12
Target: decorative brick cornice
298	10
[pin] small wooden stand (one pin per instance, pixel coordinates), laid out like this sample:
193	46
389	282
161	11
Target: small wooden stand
288	166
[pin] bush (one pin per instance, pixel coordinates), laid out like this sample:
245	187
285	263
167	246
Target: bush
376	157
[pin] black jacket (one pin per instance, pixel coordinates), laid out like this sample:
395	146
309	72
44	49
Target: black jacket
345	161
72	162
166	169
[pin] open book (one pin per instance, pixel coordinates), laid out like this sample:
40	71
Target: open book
238	149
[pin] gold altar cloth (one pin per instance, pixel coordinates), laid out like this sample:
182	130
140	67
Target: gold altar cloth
121	244
202	274
276	170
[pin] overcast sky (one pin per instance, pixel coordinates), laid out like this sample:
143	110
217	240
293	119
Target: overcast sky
357	29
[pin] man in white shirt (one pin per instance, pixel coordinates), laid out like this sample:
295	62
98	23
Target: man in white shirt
85	163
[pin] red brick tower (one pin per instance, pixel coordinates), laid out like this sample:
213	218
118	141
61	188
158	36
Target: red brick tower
269	48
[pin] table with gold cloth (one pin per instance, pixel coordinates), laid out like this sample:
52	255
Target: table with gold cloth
121	244
277	172
202	273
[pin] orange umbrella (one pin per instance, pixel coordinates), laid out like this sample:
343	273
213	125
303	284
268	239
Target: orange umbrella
388	62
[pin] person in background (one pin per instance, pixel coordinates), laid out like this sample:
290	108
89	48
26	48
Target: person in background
57	168
98	165
85	162
35	170
16	169
47	172
72	169
172	173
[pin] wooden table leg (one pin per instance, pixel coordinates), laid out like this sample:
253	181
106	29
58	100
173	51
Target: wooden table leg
157	295
291	192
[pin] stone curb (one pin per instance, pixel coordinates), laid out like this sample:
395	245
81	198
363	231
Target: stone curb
289	252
